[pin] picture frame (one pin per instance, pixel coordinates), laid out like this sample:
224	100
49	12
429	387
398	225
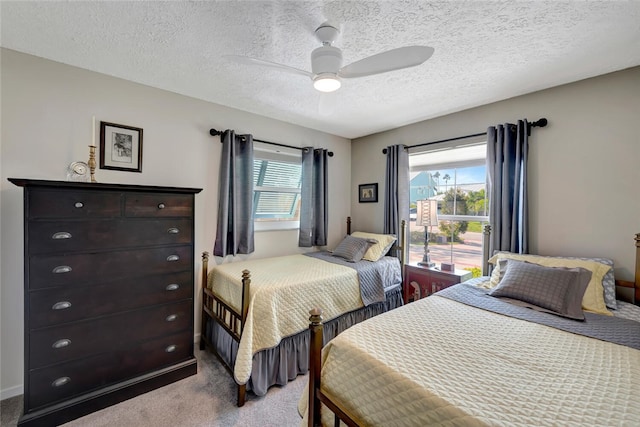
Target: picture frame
368	193
120	147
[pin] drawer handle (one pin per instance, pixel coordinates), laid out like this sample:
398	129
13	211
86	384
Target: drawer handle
61	381
161	206
172	287
173	230
170	349
62	269
61	235
61	305
79	205
173	258
171	317
61	343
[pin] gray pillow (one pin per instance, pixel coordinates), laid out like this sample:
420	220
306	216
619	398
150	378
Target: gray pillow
353	248
556	290
608	281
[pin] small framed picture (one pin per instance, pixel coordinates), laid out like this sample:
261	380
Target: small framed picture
120	147
368	193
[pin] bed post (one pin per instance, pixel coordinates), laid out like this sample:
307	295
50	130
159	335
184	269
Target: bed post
637	276
203	319
486	234
403	242
246	283
348	225
315	363
635	285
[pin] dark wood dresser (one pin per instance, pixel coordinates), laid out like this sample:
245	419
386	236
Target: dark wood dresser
108	294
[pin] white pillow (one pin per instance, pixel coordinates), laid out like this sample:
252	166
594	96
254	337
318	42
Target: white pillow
378	250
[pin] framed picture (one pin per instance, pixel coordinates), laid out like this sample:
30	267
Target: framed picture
368	193
120	147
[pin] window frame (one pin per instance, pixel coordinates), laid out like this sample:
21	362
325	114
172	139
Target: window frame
455	164
262	152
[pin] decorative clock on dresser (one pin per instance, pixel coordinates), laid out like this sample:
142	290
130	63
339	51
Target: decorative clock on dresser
108	294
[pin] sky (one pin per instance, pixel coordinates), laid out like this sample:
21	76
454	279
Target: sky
467	175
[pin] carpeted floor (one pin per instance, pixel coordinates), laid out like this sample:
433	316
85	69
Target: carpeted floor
206	399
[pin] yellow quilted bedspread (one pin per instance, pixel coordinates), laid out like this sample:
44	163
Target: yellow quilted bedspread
283	290
437	362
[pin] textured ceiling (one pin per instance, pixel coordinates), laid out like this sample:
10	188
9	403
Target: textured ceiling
485	51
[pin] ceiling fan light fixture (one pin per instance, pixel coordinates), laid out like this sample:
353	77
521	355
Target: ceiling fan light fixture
326	82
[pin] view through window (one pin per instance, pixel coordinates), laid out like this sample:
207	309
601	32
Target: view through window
453	181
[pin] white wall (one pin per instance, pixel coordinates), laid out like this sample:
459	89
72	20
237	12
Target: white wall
584	175
46	124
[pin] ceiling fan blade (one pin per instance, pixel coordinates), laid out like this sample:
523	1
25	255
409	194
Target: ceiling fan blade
254	61
394	59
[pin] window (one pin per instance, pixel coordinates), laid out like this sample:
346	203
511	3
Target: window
276	195
453	178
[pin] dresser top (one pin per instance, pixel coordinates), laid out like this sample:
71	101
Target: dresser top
22	182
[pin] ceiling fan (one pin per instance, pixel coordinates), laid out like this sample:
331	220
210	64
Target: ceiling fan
326	61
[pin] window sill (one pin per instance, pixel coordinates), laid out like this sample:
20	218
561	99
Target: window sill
260	226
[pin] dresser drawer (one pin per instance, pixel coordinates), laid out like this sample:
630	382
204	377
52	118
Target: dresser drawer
54	383
70	341
53	306
45	203
63	236
158	205
102	267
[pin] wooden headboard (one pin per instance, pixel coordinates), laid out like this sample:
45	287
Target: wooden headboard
635	285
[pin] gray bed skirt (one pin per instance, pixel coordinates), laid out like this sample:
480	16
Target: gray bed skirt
283	363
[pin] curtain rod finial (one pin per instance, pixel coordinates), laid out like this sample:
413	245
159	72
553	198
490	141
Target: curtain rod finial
214	132
539	123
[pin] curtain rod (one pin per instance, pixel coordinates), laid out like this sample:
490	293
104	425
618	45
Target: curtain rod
214	132
538	123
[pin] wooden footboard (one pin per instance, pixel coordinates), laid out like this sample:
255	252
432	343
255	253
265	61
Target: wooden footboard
226	316
316	397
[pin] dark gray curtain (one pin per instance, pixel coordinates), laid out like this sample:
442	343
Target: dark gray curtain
396	192
507	153
313	194
234	234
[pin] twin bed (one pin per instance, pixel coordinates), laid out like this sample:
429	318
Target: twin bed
476	354
254	317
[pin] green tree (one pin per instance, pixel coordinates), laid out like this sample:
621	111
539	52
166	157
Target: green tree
446	178
454	197
476	202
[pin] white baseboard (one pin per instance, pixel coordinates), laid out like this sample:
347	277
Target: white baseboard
11	392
